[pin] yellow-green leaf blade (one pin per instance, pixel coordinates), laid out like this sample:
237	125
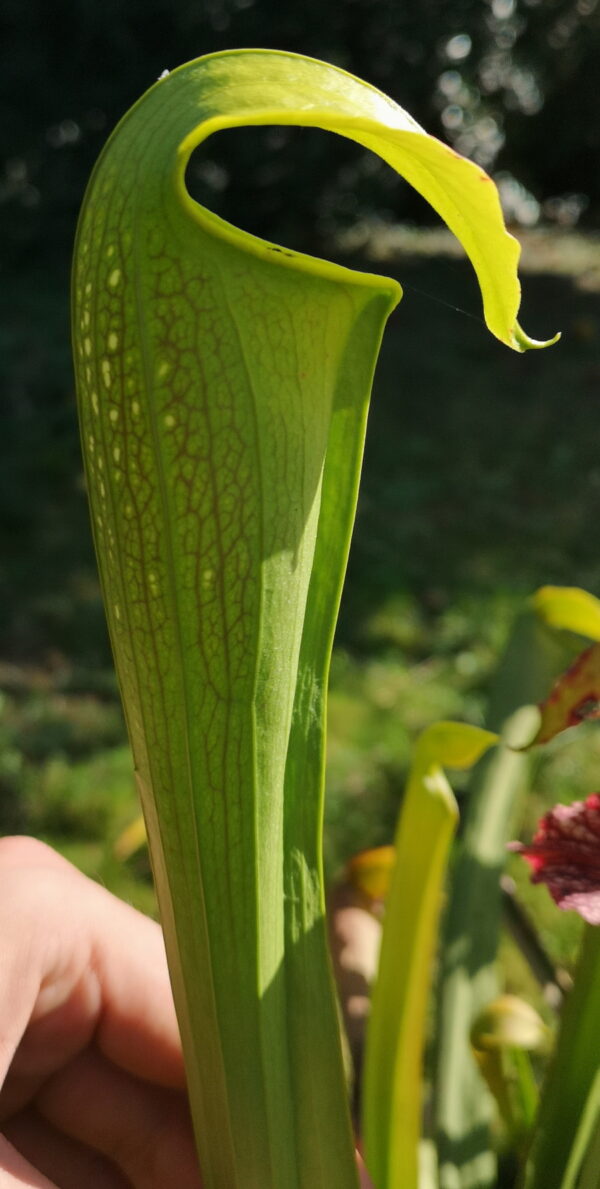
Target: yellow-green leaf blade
223	386
393	1078
569	608
268	87
566	1131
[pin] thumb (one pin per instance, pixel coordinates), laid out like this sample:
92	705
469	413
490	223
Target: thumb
18	1173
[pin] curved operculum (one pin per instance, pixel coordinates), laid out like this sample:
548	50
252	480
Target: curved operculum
303	92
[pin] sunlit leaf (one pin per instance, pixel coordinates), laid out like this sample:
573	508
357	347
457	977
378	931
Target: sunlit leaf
564	1150
392	1094
502	1036
569	608
223	386
463	1109
509	1022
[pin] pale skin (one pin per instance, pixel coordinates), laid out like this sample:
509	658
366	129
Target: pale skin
92	1083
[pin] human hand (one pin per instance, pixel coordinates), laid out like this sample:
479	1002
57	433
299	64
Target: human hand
92	1084
91	1072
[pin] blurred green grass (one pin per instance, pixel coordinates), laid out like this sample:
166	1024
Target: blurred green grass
481	482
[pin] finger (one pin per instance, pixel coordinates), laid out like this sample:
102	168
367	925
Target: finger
65	1161
16	1172
146	1130
79	963
16	1093
19	850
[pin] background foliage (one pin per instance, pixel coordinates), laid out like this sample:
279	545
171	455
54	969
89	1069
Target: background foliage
511	82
